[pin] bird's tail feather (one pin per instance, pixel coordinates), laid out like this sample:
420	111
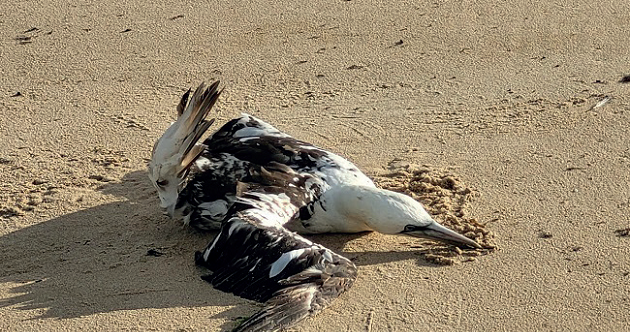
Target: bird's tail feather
192	124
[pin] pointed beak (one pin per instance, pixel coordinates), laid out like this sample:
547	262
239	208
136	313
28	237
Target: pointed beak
435	231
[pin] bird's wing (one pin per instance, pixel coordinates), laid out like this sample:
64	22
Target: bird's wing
210	191
205	201
256	258
252	140
229	154
181	138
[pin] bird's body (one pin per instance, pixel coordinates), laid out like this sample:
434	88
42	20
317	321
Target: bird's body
258	187
245	142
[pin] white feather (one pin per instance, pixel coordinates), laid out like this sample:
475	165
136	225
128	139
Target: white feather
283	261
214	208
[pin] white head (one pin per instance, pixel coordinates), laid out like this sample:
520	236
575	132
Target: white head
393	213
174	153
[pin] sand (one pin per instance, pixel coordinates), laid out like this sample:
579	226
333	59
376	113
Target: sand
521	104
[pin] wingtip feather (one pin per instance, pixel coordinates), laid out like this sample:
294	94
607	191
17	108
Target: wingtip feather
182	103
192	124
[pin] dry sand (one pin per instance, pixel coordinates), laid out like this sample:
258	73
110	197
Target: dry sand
506	98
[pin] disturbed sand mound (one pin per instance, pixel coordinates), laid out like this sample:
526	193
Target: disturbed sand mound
447	199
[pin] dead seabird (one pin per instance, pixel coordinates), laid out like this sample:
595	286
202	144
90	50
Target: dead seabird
259	187
197	181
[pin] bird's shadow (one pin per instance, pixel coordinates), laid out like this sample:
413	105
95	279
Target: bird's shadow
123	255
363	258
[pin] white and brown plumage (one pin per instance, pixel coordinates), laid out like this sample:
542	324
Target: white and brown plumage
255	257
259	187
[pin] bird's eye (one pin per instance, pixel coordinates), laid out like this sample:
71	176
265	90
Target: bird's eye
161	183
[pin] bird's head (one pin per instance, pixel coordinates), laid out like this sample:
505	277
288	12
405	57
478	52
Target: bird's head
395	213
414	220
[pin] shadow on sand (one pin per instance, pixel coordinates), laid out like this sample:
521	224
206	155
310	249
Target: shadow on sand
98	260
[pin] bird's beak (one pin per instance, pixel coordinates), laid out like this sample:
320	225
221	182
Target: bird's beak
435	231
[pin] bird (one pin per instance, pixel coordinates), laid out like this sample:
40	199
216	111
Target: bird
263	191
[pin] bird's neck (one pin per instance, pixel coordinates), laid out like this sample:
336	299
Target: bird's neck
371	208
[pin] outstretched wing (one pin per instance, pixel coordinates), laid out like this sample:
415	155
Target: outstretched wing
255	257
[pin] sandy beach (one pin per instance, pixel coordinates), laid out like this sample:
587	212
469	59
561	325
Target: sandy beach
514	114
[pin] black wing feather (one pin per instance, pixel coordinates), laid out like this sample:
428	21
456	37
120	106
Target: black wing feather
273	146
243	255
231	158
